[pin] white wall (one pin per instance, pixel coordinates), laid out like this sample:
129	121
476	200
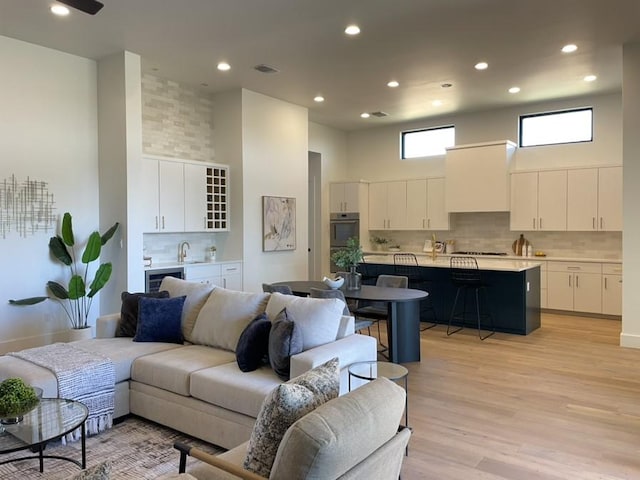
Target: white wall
331	144
630	335
274	162
374	154
48	132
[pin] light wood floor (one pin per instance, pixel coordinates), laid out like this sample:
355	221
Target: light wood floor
560	403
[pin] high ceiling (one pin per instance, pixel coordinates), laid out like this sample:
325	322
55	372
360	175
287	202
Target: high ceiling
420	43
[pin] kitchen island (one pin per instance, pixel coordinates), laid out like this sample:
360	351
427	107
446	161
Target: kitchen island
513	288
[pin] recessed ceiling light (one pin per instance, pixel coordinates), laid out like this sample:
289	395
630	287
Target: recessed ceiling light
437	103
514	89
570	48
318	98
590	78
393	84
352	30
365	115
224	66
481	66
59	10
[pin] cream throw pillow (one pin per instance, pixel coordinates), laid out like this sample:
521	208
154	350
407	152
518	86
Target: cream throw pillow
225	315
317	318
196	293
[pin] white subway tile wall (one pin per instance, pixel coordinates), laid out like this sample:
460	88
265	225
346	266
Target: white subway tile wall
177	120
163	247
489	232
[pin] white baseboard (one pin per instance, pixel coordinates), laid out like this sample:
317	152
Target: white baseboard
629	340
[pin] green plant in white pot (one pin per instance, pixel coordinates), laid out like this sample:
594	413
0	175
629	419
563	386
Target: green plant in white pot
74	298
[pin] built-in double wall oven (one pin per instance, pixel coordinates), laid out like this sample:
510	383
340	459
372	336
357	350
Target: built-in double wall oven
342	227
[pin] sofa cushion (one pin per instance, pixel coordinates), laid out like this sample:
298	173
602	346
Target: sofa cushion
225	315
318	318
123	351
227	387
285	339
196	293
159	320
284	405
128	322
340	434
252	350
172	370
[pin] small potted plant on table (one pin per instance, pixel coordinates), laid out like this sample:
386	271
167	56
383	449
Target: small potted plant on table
348	259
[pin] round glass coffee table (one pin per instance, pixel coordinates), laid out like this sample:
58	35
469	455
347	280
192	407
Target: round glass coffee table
373	369
51	419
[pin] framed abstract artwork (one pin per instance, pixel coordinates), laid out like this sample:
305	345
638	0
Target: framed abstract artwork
278	224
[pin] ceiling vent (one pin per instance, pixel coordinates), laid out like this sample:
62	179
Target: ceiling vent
380	114
262	68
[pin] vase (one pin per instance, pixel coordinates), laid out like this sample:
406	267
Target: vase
353	279
79	334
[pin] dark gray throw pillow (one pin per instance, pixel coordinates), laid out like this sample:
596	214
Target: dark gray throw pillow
285	339
129	311
252	350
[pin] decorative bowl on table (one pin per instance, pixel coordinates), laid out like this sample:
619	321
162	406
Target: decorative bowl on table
333	283
16	400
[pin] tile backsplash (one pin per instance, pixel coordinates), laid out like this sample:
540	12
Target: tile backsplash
163	247
489	232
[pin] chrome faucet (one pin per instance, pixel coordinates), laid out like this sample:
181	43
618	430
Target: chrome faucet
182	253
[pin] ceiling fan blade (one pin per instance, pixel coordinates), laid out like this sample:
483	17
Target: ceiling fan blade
87	6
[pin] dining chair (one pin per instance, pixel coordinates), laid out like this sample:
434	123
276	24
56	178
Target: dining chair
284	289
405	264
378	311
466	276
335	293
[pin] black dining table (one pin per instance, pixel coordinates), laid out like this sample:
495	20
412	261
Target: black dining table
403	319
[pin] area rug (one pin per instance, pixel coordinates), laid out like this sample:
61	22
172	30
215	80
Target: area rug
136	448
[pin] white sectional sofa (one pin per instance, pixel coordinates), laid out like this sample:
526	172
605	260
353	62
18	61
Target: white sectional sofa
198	388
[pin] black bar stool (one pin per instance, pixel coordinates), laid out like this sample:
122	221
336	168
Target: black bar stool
405	264
466	276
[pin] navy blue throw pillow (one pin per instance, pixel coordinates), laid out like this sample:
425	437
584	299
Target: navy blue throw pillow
159	320
285	339
252	350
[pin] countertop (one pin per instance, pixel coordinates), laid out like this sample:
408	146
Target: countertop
191	263
501	257
442	261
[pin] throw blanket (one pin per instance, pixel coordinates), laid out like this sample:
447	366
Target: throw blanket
82	376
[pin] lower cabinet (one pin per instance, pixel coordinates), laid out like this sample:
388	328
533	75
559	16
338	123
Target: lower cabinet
574	286
612	288
226	275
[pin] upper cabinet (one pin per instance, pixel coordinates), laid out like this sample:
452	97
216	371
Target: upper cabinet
478	177
184	196
582	199
388	205
595	199
426	205
538	201
347	196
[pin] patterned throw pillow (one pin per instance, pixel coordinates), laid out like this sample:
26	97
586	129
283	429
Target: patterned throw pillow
283	406
99	472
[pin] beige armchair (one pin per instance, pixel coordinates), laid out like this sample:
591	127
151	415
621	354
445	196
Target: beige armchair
349	437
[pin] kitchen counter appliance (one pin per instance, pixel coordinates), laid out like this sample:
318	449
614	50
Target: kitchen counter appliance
153	278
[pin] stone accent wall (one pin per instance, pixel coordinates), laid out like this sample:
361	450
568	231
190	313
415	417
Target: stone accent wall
177	120
489	232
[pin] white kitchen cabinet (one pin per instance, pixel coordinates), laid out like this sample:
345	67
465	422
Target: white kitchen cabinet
594	199
543	285
426	205
226	275
612	288
345	197
539	201
181	196
574	286
388	205
195	195
163	192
